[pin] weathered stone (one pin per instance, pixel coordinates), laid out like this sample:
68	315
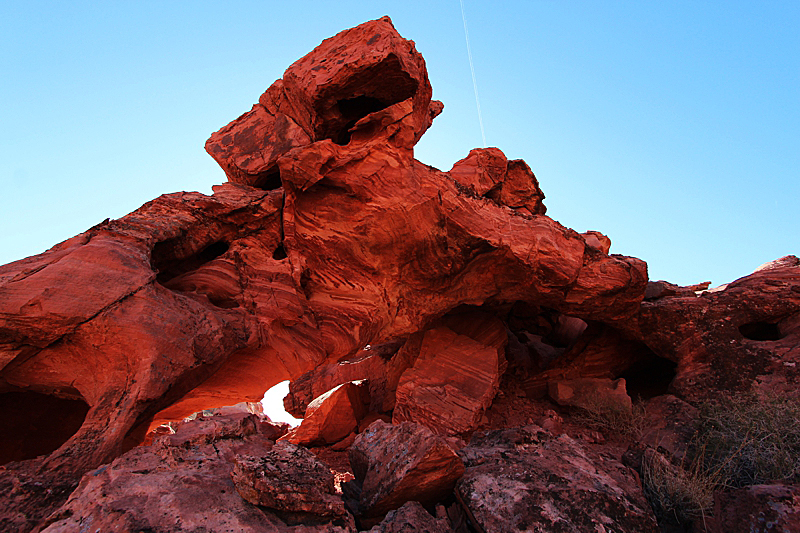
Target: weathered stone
412	518
288	478
741	337
332	416
183	487
758	508
395	464
194	302
591	393
455	376
525	479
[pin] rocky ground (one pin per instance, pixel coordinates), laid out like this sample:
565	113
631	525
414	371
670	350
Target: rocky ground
462	362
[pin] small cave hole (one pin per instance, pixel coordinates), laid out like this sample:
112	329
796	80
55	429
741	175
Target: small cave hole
279	253
269	180
352	110
37	424
649	376
761	331
169	265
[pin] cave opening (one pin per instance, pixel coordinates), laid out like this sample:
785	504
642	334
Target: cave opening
367	91
37	424
279	253
649	376
761	331
269	180
352	110
166	260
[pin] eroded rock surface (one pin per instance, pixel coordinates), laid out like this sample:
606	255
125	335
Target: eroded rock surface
183	483
525	479
395	464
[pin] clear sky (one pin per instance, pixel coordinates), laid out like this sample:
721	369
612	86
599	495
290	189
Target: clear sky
673	127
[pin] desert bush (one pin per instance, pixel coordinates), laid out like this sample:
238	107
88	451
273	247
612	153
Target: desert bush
753	440
613	419
741	440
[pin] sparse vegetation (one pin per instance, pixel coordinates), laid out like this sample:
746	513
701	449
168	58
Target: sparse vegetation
741	440
611	418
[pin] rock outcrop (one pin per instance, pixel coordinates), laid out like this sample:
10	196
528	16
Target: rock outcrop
332	256
525	479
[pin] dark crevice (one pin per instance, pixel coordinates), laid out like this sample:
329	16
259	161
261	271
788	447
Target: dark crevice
279	253
37	424
168	265
352	110
269	180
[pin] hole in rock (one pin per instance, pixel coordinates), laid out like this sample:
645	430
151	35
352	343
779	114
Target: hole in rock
273	404
365	92
269	180
279	253
649	376
761	331
352	110
168	264
36	424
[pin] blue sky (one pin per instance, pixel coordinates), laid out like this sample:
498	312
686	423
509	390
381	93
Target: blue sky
672	127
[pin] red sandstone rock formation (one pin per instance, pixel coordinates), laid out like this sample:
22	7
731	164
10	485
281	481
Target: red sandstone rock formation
333	255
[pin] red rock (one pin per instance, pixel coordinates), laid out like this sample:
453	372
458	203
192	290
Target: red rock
455	377
412	517
741	337
598	241
591	393
525	479
670	425
369	364
181	487
395	464
332	416
757	508
194	302
288	478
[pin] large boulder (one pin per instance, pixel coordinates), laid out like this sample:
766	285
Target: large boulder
454	377
525	479
395	464
183	483
333	416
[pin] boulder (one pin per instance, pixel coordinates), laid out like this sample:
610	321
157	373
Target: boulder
412	517
757	508
332	416
186	485
591	393
288	478
525	479
455	376
397	463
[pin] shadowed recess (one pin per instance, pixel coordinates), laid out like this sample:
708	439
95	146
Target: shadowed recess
168	265
761	331
36	424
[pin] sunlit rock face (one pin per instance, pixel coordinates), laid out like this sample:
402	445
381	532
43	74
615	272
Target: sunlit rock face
329	237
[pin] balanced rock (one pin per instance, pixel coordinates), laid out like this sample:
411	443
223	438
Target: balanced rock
397	463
